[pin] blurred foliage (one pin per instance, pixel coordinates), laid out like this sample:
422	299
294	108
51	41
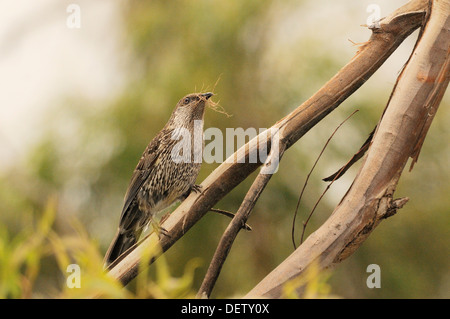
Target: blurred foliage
260	69
23	256
20	255
313	283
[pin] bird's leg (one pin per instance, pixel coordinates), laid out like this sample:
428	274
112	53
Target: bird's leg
158	229
194	188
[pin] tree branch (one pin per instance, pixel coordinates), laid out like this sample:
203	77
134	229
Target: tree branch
416	96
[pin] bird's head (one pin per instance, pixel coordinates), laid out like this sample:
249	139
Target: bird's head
189	108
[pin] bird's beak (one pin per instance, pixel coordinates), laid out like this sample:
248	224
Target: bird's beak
207	95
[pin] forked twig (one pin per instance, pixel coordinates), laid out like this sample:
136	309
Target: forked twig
306	182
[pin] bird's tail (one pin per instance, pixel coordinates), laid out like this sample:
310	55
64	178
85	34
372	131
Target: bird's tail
121	242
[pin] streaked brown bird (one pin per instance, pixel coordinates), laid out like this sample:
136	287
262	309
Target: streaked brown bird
165	173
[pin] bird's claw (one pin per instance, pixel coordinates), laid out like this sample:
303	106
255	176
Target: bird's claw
196	188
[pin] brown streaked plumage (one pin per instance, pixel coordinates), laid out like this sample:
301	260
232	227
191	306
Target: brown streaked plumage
162	175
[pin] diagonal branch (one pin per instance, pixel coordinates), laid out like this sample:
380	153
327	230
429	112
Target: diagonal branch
384	40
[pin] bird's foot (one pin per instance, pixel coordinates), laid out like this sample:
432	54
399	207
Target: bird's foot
159	230
196	188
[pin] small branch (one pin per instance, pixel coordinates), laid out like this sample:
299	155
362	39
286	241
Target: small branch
231	215
306	182
236	224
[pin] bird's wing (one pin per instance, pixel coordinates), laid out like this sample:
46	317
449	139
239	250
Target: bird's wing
140	174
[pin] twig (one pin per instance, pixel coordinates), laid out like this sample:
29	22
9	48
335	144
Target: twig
318	201
306	182
358	155
231	215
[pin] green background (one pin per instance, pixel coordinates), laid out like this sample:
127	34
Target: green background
262	59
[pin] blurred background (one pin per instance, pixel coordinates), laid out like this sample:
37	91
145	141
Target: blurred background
80	102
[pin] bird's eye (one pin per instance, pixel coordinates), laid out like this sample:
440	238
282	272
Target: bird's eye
187	100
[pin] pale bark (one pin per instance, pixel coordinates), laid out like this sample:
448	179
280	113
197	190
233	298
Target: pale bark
399	135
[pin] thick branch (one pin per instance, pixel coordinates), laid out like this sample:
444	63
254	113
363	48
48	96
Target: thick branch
384	40
415	99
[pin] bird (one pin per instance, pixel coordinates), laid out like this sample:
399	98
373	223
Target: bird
166	173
